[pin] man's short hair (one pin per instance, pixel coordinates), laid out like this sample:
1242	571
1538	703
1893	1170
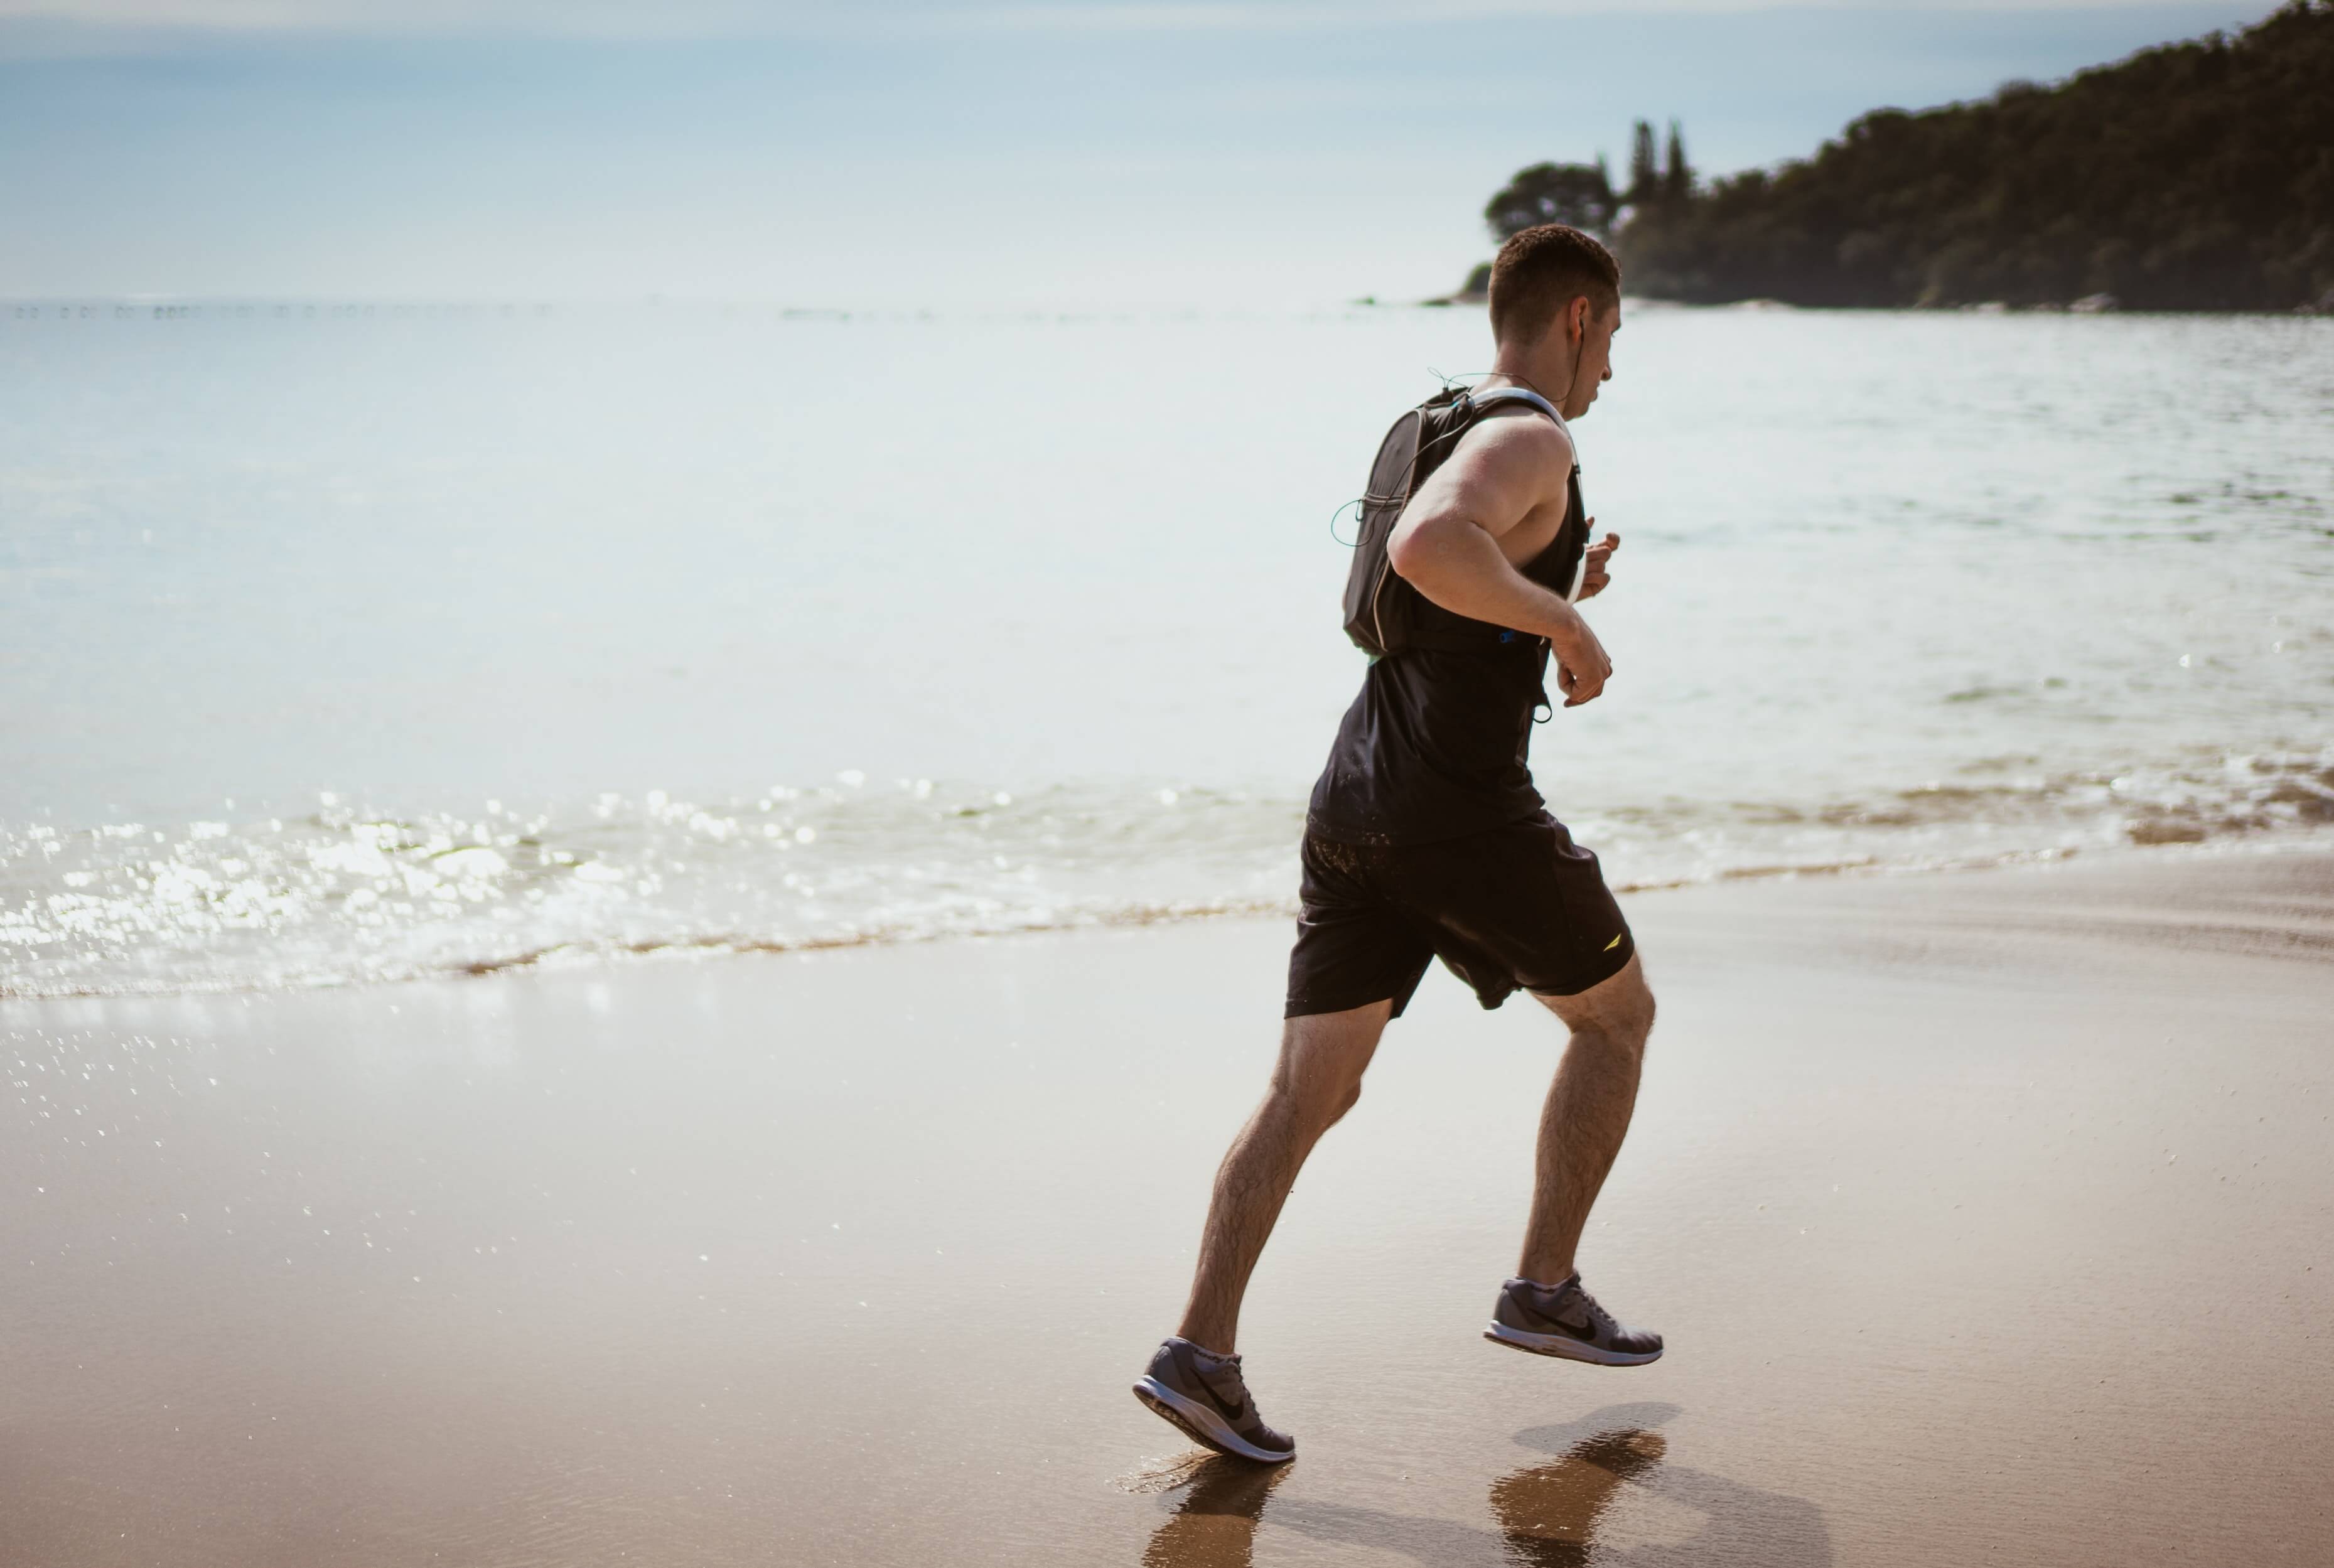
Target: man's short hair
1541	270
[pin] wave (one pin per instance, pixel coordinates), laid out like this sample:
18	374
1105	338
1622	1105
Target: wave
350	893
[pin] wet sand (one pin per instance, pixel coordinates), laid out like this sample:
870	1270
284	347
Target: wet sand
1990	1217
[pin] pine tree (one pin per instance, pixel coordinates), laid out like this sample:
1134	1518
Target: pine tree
1677	181
1644	176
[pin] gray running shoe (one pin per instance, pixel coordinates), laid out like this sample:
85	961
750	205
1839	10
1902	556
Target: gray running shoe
1210	1405
1567	1321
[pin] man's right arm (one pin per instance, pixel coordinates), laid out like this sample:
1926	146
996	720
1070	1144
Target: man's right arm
1447	543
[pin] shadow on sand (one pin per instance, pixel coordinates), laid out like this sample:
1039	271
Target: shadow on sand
1548	1513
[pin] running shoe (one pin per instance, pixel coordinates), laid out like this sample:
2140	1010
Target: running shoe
1564	1320
1205	1396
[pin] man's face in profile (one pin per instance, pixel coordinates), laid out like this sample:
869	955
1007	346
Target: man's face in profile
1594	367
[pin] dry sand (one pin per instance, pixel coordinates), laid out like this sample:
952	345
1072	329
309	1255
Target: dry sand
1990	1217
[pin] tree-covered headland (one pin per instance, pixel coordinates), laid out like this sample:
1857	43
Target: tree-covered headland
2194	177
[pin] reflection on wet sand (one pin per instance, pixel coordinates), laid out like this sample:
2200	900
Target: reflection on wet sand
1552	1512
1572	1510
1215	1526
1549	1513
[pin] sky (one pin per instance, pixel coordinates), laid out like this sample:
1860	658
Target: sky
1072	153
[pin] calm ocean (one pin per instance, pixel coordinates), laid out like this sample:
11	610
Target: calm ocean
343	644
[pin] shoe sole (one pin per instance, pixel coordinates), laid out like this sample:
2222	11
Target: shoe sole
1202	1425
1565	1348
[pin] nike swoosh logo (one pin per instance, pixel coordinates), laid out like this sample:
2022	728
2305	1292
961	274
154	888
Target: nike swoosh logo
1614	942
1586	1332
1231	1409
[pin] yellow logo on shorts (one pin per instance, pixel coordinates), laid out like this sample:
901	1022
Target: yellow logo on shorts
1614	942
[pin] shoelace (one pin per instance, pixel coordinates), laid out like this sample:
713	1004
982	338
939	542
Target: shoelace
1227	1368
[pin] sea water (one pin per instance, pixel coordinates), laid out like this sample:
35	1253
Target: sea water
344	643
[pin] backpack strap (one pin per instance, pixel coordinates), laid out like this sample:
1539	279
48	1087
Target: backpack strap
1371	572
1480	401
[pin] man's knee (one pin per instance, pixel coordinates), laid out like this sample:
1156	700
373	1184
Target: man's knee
1316	1099
1618	1011
1323	1056
1637	1016
1345	1102
1629	1021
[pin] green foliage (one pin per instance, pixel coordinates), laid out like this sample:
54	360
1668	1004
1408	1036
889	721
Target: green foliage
2198	176
1580	194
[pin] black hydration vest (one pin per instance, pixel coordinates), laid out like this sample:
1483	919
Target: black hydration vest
1384	613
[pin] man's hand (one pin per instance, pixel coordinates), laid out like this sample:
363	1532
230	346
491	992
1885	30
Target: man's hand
1581	667
1600	564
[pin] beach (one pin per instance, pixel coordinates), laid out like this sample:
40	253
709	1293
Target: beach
1987	1214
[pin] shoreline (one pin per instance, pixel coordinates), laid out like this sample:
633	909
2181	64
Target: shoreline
571	958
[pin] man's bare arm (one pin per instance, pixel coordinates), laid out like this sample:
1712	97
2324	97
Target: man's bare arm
1447	543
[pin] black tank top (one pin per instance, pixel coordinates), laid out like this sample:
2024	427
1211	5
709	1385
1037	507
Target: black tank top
1435	746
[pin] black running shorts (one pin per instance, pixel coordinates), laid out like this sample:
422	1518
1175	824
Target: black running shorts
1518	907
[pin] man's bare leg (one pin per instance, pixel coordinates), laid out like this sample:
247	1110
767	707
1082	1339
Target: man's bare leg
1317	1081
1587	1115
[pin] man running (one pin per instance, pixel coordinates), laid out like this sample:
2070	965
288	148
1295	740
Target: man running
1425	839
